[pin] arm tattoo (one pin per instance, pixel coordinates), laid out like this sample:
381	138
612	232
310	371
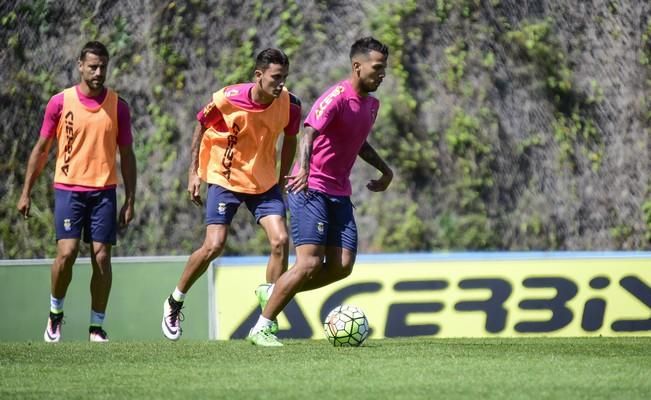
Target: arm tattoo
306	147
306	154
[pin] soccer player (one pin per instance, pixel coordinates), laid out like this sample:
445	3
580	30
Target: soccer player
234	151
322	221
90	124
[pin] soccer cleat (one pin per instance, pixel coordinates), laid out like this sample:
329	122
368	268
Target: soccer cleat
274	327
172	317
97	334
262	293
264	338
52	332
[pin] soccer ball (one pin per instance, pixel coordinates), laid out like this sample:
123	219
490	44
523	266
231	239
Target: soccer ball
346	325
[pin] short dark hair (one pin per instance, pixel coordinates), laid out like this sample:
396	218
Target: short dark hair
367	44
94	47
270	56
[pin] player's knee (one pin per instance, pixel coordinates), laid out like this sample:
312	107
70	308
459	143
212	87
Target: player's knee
67	255
103	258
213	244
212	249
213	252
313	265
308	266
279	244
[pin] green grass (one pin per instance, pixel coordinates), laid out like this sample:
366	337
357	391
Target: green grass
422	368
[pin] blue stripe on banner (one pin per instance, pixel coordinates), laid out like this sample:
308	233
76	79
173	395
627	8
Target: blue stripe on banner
459	256
383	258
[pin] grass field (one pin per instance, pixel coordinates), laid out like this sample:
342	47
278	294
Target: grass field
423	368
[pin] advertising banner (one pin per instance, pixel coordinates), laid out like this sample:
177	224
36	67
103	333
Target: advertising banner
471	295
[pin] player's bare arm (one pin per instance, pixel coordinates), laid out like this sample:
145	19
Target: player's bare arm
194	182
35	165
368	154
128	169
287	156
298	182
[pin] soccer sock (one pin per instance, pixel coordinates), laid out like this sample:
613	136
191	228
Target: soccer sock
96	319
56	305
262	323
178	295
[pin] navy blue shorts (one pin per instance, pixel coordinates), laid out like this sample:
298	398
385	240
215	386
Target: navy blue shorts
222	204
94	213
321	219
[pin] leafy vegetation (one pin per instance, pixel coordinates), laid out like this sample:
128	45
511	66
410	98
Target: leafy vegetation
509	125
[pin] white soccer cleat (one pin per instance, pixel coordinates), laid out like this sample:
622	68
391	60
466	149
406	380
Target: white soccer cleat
52	332
97	334
172	317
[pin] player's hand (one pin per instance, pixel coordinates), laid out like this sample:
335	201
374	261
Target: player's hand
23	206
194	189
380	185
126	215
298	182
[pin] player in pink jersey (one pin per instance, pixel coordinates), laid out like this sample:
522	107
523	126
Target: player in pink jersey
90	125
322	221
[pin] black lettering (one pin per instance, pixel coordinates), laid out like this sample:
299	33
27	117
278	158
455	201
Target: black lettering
593	315
342	295
398	313
227	159
70	139
642	292
561	315
226	163
298	325
232	141
595	308
397	320
493	307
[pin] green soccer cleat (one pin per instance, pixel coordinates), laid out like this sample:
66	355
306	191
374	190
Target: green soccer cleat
264	338
263	294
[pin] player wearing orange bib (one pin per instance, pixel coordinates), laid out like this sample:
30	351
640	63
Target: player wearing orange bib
234	152
90	124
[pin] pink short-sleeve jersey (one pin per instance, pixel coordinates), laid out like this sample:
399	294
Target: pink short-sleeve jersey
344	120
